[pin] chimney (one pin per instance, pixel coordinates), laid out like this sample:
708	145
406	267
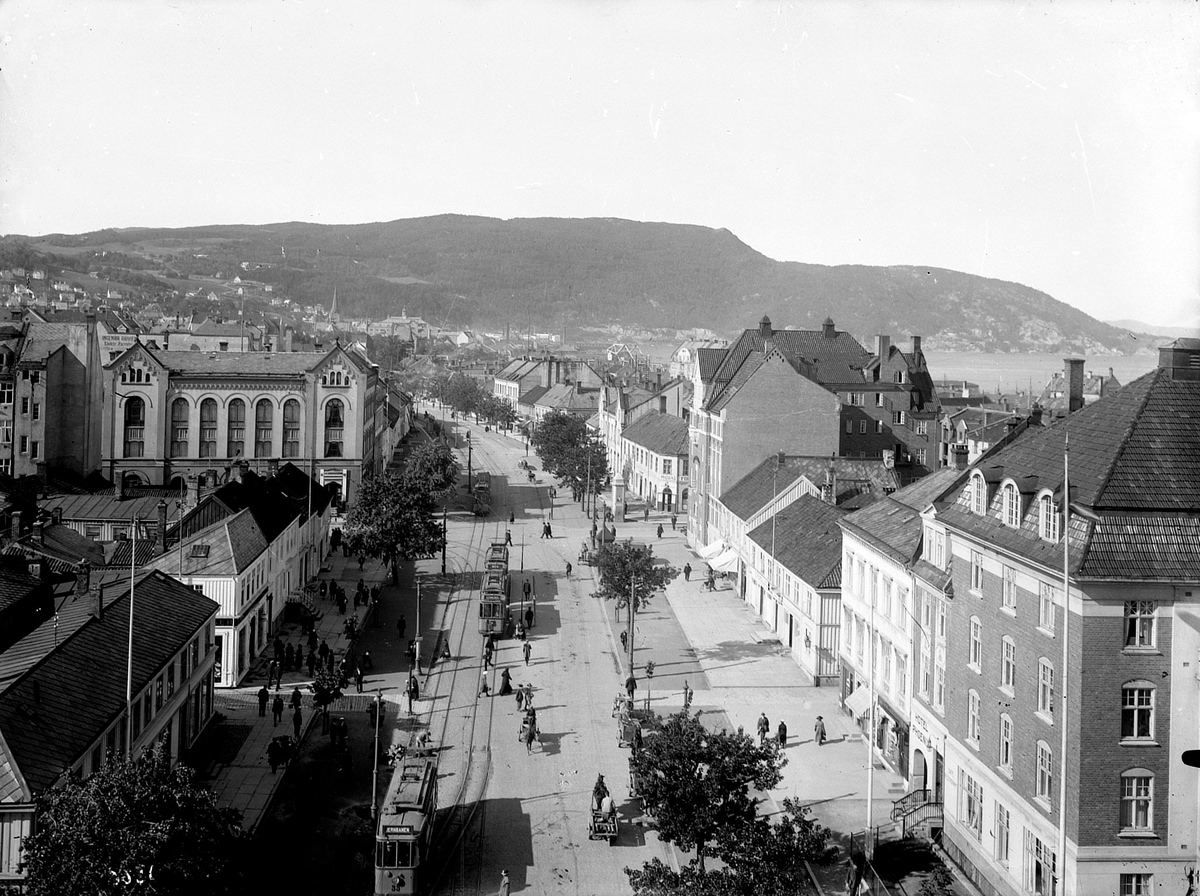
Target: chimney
235	471
1035	415
883	344
548	373
193	491
829	490
1074	376
56	516
288	334
160	537
39	530
120	485
916	349
662	404
764	329
827	329
84	588
16	524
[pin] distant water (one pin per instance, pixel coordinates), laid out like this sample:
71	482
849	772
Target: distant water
995	371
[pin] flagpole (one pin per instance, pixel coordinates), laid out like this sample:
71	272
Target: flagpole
129	655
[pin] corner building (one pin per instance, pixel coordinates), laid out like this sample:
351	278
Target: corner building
1130	616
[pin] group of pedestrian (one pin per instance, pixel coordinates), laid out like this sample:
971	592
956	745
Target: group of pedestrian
547	530
336	593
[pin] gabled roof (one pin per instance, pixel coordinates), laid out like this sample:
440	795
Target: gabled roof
533	396
894	524
659	433
853	476
44	339
807	540
47	721
61	542
225	548
566	397
518	369
104	507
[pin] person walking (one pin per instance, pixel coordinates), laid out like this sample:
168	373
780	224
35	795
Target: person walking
549	531
781	734
297	699
277	709
624	641
660	530
568	569
507	537
630	686
299	657
401	626
674	520
520	699
413	692
764	728
359	675
264	697
687	572
819	731
527	649
323	652
487	654
505	683
646	514
297	719
529	618
503	891
289	656
312	663
529	698
312	640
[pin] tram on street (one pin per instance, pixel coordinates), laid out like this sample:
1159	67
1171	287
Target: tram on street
495	592
405	827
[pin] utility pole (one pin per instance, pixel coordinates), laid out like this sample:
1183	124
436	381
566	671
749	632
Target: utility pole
444	539
632	613
375	773
129	660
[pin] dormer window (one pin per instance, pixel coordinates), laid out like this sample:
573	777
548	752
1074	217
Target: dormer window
1012	506
978	495
1047	518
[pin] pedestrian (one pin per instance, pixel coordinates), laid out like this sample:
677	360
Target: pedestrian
401	626
312	663
764	727
543	530
375	589
277	709
646	514
674	520
710	583
297	719
359	675
289	656
483	685
568	569
362	558
412	652
446	651
624	640
505	683
549	531
270	672
357	599
342	603
819	731
520	698
312	639
503	891
323	651
529	618
322	589
527	649
487	654
630	686
264	697
781	734
660	530
273	756
278	649
687	572
297	699
512	518
507	537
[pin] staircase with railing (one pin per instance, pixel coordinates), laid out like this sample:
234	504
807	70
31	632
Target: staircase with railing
916	810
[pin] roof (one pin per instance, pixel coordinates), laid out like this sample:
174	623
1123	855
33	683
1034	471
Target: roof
46	725
517	369
894	524
853	476
225	548
61	542
123	556
567	397
659	433
533	396
239	363
105	507
14	587
44	339
214	328
807	540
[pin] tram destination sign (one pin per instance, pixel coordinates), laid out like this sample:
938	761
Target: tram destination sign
393	830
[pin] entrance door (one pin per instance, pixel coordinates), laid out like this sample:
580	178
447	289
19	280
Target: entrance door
937	776
918	770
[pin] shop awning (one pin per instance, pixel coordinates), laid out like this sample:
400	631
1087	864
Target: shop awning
727	561
710	551
859	702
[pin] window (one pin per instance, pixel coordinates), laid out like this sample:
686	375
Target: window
264	415
978	495
179	427
973	718
223	346
975	647
1047	518
37	411
235	442
862	427
333	428
92	531
1003	824
1139	623
1008	664
1045	771
34	449
898	418
24	405
1137	711
971	813
1137	800
6	465
1005	757
666	466
1046	606
885	666
6	432
135	427
291	428
849	427
1137	884
6	393
939	682
977	572
921	457
941	620
1012	506
878	399
1045	687
926	672
901	674
878	427
208	428
857	398
1041	876
923	427
1008	593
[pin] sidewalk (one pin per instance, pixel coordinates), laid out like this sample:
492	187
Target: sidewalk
235	755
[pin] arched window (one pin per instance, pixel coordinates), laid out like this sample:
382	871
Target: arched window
264	416
179	427
291	428
135	428
1012	506
1047	518
235	442
1137	800
978	495
208	428
334	421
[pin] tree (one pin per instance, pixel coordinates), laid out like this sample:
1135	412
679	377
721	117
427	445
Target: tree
326	688
624	566
433	465
697	782
134	826
570	452
394	517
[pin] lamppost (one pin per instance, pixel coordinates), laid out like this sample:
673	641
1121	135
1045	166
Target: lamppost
468	458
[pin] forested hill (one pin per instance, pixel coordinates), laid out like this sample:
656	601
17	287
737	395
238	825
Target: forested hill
547	273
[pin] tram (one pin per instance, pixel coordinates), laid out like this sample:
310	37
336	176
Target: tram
405	827
495	591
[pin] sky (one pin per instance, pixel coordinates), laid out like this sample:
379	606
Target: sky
1056	144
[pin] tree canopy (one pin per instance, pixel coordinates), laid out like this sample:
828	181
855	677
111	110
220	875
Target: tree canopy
627	568
432	465
570	452
394	516
134	826
697	782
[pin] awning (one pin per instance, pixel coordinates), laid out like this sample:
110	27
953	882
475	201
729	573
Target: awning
726	561
711	550
859	702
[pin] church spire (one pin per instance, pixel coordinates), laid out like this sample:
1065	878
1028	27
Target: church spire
333	308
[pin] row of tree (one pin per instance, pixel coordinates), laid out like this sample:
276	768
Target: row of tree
468	396
571	453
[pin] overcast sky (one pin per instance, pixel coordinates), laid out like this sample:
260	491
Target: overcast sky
1054	144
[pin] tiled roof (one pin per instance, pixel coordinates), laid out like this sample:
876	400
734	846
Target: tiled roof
61	542
808	541
15	586
105	507
1143	546
44	339
123	553
662	434
232	545
565	397
893	524
211	328
756	489
239	363
533	396
53	712
709	360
